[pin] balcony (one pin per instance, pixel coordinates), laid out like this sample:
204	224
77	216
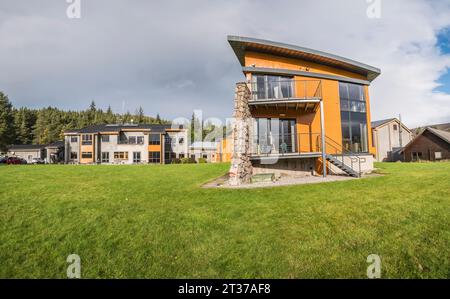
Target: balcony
285	146
299	94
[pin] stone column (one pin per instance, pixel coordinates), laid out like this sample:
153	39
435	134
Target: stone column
241	167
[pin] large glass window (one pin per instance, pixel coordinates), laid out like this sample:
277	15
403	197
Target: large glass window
272	87
353	117
275	136
154	139
105	138
154	157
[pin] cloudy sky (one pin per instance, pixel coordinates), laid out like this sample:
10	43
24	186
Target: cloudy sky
172	57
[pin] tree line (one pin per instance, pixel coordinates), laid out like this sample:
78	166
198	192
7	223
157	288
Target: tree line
46	125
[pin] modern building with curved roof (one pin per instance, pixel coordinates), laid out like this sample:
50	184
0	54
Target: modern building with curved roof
310	109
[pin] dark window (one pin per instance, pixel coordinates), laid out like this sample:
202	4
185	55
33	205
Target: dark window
140	140
105	138
86	155
154	139
86	139
154	157
74	139
136	157
105	157
353	117
132	140
205	156
181	140
416	156
73	155
395	128
181	156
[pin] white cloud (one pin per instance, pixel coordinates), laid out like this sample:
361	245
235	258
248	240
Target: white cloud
139	51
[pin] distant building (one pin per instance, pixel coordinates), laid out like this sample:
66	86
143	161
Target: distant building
430	145
126	144
203	149
27	152
389	137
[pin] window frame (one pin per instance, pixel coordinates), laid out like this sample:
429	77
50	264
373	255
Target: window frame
121	155
105	160
154	157
85	140
351	118
135	158
87	155
154	142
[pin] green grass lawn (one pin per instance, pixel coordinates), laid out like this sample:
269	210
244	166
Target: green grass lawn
156	222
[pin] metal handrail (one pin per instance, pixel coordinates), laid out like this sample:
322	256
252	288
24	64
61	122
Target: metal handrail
344	153
298	89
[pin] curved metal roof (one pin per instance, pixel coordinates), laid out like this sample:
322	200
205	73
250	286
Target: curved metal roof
242	44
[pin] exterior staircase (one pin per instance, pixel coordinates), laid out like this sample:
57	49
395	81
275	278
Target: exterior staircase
339	164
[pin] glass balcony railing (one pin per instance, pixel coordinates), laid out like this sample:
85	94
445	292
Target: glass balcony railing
285	144
286	90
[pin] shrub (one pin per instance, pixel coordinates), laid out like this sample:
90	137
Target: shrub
187	161
202	160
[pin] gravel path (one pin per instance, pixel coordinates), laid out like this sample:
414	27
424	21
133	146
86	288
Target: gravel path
222	182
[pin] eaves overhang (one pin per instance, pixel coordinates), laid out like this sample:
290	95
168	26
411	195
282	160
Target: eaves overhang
241	44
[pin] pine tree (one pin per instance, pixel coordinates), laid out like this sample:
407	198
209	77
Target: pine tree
140	115
7	134
158	119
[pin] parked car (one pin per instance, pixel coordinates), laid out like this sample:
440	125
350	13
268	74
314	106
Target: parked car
37	161
3	160
15	160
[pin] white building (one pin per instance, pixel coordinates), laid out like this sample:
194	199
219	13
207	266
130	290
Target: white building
390	137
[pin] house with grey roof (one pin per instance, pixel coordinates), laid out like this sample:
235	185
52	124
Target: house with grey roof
430	145
126	144
389	137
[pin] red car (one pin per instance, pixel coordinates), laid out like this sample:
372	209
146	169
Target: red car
15	160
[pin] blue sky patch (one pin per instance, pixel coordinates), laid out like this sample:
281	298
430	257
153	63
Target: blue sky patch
444	45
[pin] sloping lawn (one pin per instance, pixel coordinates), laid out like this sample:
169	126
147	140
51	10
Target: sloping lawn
156	222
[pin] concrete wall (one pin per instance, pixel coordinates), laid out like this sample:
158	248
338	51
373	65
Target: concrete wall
366	164
296	167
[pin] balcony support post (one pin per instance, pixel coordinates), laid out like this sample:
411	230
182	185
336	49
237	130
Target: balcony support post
322	133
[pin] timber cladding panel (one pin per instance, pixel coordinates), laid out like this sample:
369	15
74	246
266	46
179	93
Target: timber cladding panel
278	62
